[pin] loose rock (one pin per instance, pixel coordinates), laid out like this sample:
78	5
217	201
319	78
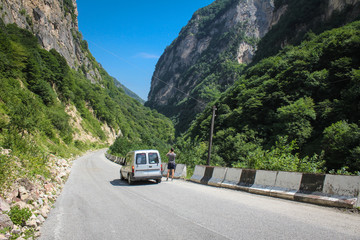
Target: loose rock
5	221
4	206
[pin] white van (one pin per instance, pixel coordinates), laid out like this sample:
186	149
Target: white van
142	165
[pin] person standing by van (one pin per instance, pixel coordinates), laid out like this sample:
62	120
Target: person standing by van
171	165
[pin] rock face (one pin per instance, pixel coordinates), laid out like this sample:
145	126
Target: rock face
54	23
226	29
340	5
293	20
195	64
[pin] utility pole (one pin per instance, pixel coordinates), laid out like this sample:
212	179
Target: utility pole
211	134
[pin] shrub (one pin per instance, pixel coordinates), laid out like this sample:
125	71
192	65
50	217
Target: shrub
341	143
19	216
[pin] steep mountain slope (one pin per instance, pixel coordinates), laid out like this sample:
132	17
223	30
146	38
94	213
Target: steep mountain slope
48	106
303	101
203	61
206	58
55	24
296	18
128	91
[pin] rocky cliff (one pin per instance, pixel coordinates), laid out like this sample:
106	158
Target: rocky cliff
206	57
54	23
293	20
217	36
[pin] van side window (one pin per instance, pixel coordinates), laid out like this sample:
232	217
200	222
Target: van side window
127	160
141	158
153	158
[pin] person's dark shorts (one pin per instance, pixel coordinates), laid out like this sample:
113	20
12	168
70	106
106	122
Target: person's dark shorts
171	165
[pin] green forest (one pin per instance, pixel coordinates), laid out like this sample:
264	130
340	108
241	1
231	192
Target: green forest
298	110
293	109
36	88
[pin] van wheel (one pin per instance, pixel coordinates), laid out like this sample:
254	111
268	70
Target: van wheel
121	177
129	180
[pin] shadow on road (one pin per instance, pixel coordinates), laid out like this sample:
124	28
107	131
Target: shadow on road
120	183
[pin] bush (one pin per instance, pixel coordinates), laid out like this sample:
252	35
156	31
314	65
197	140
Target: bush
341	143
281	158
19	216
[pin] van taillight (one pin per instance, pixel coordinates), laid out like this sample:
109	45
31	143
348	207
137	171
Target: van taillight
133	169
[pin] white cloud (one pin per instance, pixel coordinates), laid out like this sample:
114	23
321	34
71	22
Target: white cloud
147	55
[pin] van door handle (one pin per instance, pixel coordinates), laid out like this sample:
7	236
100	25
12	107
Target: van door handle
150	166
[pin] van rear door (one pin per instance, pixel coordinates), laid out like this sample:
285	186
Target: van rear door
154	162
147	164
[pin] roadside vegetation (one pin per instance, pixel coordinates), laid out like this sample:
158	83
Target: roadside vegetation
295	111
37	89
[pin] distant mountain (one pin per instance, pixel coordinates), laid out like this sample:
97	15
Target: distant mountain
128	91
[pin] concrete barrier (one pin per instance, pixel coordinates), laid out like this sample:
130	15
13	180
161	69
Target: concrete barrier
232	178
198	173
247	179
264	182
115	159
180	171
207	175
322	189
339	185
165	167
344	188
218	176
286	185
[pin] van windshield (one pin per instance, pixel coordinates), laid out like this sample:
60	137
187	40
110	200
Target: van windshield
140	158
153	158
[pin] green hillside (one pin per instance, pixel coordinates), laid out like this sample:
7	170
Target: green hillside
298	110
301	17
128	91
37	91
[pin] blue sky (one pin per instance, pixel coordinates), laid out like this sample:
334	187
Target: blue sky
128	37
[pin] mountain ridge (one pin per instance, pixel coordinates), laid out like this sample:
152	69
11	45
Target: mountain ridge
55	24
202	67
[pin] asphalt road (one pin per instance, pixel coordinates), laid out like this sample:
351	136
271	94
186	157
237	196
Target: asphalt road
95	204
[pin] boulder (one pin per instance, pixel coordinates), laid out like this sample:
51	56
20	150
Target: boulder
21	204
49	187
31	223
12	196
4	206
44	211
23	193
15	230
40	219
5	221
24	182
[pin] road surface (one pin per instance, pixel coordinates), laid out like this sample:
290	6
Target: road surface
95	204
